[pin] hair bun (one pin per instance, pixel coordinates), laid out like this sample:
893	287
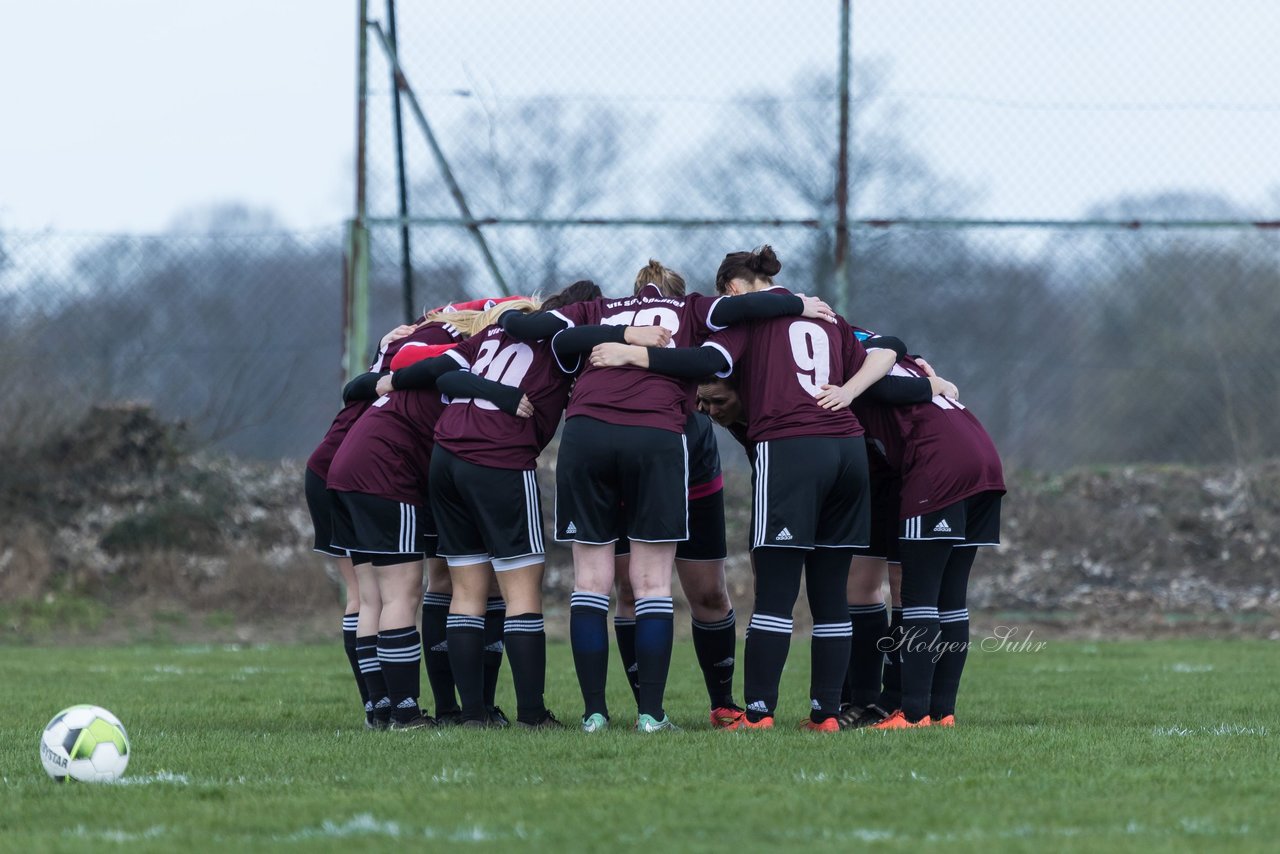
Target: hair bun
764	261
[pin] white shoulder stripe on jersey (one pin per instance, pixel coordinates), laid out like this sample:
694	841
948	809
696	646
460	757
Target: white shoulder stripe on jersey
725	373
459	358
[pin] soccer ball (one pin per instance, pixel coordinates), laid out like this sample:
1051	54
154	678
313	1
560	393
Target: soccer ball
85	743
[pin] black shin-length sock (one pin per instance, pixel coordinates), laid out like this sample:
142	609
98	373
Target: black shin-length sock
526	641
466	658
349	622
495	616
715	644
826	576
589	638
866	655
435	651
655	617
400	654
778	573
624	632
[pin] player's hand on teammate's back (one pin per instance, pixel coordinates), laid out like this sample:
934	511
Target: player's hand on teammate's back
946	388
834	397
384	385
648	336
618	355
817	309
525	409
402	331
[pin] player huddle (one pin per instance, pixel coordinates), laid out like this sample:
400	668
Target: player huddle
864	462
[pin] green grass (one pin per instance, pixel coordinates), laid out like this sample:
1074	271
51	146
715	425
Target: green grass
1077	747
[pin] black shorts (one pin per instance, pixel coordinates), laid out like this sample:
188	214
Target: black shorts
380	531
611	478
886	499
320	505
972	521
810	492
484	513
706	531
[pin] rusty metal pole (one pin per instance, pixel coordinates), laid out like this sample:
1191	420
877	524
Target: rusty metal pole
406	261
356	304
843	268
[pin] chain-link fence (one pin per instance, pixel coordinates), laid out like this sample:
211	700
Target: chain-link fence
585	138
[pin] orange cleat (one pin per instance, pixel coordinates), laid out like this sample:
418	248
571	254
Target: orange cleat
743	722
899	721
828	725
724	717
945	720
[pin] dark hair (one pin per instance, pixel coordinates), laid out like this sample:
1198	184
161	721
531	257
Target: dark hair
668	281
580	291
755	266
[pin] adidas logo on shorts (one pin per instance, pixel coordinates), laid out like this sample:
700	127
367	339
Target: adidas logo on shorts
783	536
942	527
572	529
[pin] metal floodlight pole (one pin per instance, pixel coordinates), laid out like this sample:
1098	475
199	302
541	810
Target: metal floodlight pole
402	85
843	265
406	263
356	282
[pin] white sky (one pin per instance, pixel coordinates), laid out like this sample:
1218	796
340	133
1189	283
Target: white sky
119	114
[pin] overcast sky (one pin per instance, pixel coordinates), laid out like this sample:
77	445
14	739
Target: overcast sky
119	114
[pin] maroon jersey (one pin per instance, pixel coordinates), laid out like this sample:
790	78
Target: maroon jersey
940	448
634	396
476	430
782	364
387	452
322	456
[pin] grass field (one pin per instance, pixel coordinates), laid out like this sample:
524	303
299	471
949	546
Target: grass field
1077	746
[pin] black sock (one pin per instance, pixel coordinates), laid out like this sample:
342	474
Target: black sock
953	628
466	657
866	655
826	577
777	572
768	642
495	615
919	646
655	616
624	630
715	644
378	703
400	655
526	641
589	637
435	651
891	695
349	622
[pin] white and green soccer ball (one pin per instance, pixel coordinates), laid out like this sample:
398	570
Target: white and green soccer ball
85	743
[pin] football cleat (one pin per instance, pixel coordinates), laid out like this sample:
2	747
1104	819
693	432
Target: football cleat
745	722
420	721
898	720
828	725
373	722
547	721
595	722
450	718
945	720
856	717
498	718
648	723
722	717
